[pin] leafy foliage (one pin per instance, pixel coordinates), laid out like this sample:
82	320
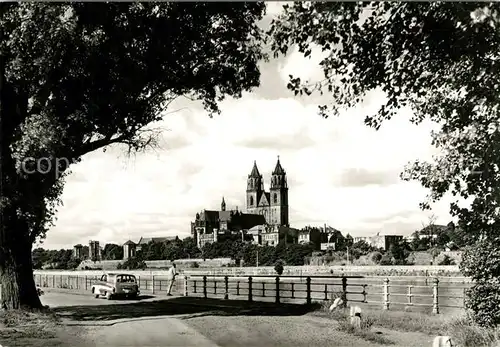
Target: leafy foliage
441	61
112	251
447	260
376	257
399	253
170	250
482	263
77	77
74	99
361	248
134	263
54	259
278	267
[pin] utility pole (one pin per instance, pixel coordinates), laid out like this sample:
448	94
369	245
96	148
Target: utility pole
257	257
348	255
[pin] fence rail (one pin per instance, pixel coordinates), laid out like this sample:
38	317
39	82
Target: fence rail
387	294
149	284
325	288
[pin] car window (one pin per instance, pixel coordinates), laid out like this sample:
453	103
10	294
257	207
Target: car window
104	278
127	279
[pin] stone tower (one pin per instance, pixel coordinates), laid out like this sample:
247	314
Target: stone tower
223	205
255	188
279	196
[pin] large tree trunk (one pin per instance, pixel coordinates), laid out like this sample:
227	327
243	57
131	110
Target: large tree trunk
18	289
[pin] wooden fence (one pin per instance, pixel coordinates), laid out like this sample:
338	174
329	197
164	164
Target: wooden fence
394	293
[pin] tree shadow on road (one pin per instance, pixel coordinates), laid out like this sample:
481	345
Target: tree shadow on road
180	306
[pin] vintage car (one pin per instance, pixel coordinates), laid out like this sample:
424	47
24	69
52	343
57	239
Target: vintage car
113	285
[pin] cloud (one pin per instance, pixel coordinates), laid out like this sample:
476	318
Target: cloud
359	177
340	172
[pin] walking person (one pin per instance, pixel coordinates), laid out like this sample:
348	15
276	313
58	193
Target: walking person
171	277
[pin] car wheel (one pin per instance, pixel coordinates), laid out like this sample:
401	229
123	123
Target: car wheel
96	295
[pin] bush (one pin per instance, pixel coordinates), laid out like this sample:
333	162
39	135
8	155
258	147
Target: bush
481	262
447	261
465	332
376	257
385	260
194	265
278	267
483	299
133	264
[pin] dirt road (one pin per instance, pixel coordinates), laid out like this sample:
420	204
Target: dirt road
171	323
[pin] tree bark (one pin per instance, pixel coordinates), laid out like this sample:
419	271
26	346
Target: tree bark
18	289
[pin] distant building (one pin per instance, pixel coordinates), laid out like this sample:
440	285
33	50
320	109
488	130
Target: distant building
380	241
273	205
385	241
94	250
78	251
129	250
146	240
272	235
266	220
321	238
361	238
212	226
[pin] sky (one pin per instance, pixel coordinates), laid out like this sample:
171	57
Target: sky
340	172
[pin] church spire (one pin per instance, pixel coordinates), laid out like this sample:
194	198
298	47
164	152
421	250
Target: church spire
255	171
223	205
278	170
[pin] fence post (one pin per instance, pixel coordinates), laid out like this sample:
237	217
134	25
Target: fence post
277	289
364	293
226	288
249	288
86	284
410	295
435	301
344	291
205	287
386	294
308	290
185	286
238	288
464	301
53	281
153	284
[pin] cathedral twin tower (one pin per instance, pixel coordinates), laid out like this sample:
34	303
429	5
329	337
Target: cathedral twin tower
273	205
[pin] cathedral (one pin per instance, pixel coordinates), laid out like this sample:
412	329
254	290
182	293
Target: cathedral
265	209
273	205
